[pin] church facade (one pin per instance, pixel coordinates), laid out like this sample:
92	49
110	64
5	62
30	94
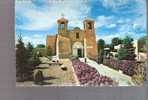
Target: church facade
75	42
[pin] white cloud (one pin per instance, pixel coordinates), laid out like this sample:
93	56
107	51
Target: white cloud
34	39
139	11
45	18
38	20
104	21
140	21
111	26
113	4
125	27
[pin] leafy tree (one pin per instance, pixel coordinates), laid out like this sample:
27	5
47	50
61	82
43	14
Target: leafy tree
127	51
107	45
40	46
116	41
101	45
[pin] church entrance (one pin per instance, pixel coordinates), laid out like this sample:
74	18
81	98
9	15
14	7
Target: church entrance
77	49
79	52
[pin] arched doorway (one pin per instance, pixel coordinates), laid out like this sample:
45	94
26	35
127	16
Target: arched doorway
77	49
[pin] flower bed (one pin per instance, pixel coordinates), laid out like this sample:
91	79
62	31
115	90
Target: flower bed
89	76
111	63
126	66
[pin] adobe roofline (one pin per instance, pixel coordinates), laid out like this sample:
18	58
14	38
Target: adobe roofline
88	20
62	20
65	20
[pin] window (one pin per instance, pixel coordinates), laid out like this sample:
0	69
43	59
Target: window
89	26
77	35
62	26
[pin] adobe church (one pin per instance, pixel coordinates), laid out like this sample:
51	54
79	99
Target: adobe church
73	43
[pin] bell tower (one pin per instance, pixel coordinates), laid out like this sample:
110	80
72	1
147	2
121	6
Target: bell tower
62	26
89	25
90	37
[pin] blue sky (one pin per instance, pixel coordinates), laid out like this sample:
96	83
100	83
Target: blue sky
35	19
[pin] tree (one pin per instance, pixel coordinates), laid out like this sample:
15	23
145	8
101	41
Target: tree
107	45
101	45
25	61
21	60
116	41
33	60
29	46
40	46
29	49
127	51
